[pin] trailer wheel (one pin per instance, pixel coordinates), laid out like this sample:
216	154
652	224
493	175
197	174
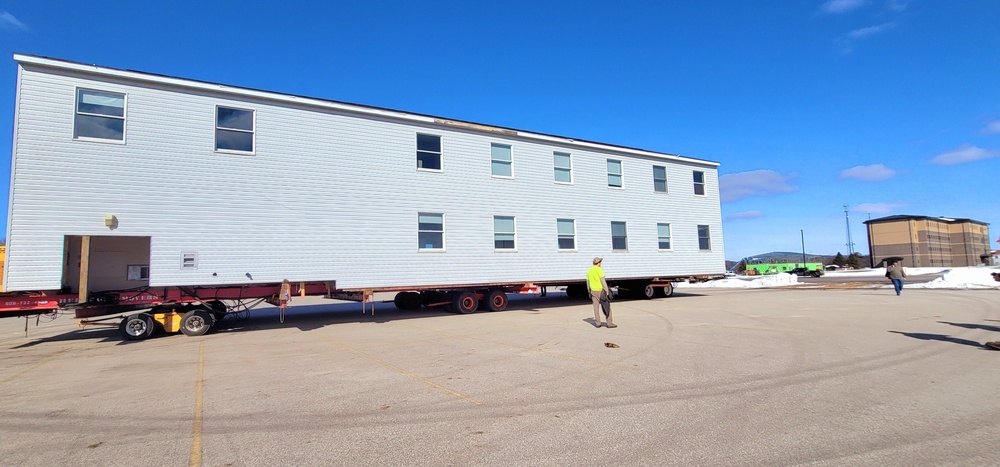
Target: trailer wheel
668	290
465	302
196	322
136	327
647	292
496	300
407	301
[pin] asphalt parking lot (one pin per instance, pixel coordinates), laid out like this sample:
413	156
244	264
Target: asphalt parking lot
787	376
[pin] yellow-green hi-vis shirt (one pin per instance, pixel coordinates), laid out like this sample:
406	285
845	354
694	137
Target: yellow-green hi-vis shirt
594	275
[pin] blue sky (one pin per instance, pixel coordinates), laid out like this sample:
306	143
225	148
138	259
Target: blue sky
887	106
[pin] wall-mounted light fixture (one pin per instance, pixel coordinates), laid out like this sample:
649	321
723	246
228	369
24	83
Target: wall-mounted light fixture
110	221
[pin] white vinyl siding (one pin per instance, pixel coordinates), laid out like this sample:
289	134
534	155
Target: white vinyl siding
331	193
501	161
99	115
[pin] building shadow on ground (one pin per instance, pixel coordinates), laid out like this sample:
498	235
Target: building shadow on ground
940	337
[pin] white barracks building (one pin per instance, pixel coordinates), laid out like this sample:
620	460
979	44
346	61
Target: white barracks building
168	181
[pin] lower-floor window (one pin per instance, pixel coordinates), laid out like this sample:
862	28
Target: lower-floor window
430	231
704	238
503	233
663	236
619	236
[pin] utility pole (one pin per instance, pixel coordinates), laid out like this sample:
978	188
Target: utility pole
850	243
803	235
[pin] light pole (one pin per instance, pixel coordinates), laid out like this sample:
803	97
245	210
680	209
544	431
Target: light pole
803	235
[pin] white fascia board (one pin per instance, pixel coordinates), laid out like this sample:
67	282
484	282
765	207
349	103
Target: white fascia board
326	104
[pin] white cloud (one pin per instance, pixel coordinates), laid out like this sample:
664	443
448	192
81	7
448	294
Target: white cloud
869	31
991	128
868	173
898	5
842	6
964	154
8	21
745	215
877	208
734	187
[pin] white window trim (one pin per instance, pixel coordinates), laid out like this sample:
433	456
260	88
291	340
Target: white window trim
621	165
575	243
194	262
671	237
502	177
444	243
253	132
666	184
91	139
619	250
572	178
704	184
440	153
504	250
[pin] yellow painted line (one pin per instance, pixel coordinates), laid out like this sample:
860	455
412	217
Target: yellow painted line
195	460
407	373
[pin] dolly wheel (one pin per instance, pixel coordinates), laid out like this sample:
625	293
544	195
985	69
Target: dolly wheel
136	327
196	322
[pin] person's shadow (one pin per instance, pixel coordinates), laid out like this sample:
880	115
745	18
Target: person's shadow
939	337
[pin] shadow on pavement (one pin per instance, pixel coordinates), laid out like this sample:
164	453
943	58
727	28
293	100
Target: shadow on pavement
985	327
939	337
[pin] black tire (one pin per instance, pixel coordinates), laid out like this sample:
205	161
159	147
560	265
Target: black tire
464	302
137	327
668	290
576	291
197	322
407	301
496	300
647	291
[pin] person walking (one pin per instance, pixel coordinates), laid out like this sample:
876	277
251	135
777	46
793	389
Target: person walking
284	296
600	293
896	273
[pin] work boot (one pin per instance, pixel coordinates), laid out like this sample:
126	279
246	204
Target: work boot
995	345
612	325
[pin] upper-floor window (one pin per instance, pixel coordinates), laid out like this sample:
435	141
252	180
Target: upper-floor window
500	160
614	173
566	232
699	182
704	238
659	179
563	166
234	129
99	115
663	236
430	231
428	152
619	236
503	233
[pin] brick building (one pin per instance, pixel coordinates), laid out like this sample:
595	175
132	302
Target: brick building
929	241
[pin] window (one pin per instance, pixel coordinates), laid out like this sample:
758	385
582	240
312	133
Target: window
99	115
430	231
500	160
614	173
563	167
138	272
503	233
704	238
189	260
566	231
619	236
234	129
663	236
659	179
699	183
428	152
